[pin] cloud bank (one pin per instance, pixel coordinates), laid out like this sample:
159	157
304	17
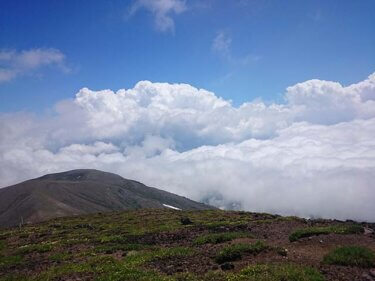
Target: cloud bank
313	155
16	63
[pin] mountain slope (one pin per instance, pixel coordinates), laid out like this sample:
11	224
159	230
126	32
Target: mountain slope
155	245
81	192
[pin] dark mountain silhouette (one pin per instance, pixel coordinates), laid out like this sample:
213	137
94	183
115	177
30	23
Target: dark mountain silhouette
79	192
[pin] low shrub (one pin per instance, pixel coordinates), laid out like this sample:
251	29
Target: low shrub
235	251
351	256
312	231
279	272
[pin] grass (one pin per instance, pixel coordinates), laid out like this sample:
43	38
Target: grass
217	238
112	248
2	246
39	248
351	256
312	231
106	268
59	257
141	257
260	272
146	242
280	272
9	261
234	252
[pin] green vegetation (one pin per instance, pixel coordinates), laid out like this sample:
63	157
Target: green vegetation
112	248
141	257
280	272
107	268
2	246
259	272
153	245
216	238
351	256
14	277
39	248
234	252
337	229
8	261
59	257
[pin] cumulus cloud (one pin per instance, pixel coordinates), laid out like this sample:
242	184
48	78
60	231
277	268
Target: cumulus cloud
313	155
15	63
162	11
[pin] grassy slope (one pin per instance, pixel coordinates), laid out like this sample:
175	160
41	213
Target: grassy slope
155	245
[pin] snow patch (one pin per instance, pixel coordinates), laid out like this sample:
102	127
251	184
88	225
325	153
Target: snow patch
171	207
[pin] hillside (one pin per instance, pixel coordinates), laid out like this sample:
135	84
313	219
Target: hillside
171	245
79	192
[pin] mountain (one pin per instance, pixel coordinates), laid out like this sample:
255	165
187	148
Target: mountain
79	192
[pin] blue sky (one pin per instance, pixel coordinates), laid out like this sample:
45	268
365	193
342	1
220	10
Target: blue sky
241	50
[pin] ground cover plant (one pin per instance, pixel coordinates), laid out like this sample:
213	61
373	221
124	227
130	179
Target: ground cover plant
156	245
351	255
337	229
278	272
235	251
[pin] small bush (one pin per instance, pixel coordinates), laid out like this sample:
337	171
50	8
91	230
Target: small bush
216	238
235	252
280	272
312	231
351	256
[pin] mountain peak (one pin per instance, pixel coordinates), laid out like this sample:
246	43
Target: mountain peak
80	175
82	191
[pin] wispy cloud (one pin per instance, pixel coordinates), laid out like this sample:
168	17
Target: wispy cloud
221	45
162	10
16	63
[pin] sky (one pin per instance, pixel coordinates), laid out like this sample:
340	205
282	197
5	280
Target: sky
257	105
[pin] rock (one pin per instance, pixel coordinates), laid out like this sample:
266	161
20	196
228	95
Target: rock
84	225
372	272
132	253
368	231
320	241
185	221
282	252
227	266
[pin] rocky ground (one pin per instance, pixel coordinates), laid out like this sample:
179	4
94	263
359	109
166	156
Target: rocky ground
179	245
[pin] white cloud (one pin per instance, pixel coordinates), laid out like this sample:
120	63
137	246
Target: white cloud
162	11
221	45
13	63
313	155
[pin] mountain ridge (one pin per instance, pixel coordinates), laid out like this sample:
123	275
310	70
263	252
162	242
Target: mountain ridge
82	191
